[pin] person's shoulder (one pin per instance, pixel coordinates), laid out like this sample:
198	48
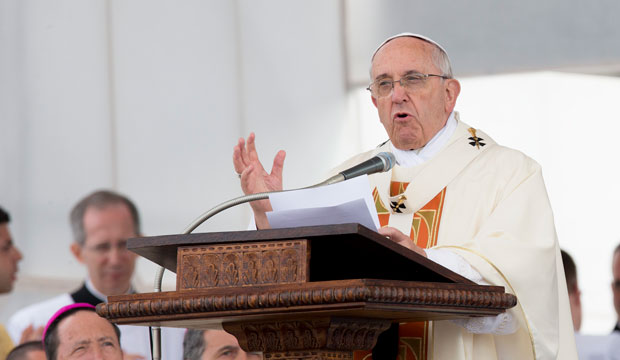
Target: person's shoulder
507	157
41	311
494	150
36	314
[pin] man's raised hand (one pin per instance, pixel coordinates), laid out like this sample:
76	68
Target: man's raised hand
254	178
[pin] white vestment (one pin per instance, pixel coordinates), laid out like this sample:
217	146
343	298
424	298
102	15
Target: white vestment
134	339
496	215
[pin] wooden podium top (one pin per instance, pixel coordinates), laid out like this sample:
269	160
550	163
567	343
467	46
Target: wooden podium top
339	252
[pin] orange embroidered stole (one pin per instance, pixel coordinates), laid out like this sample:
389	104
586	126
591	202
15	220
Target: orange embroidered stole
413	337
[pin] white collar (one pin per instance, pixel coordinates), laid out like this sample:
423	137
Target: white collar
91	287
98	294
409	158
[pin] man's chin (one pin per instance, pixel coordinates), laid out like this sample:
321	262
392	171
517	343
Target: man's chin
116	288
407	144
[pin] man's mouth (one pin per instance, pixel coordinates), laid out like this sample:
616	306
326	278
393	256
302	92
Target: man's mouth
400	115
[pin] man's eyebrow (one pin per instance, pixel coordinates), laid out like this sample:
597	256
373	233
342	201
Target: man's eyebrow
408	72
105	338
382	76
81	342
227	348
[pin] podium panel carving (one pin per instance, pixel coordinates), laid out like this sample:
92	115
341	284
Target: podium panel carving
239	264
319	338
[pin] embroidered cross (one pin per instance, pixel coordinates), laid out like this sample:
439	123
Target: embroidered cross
398	206
475	141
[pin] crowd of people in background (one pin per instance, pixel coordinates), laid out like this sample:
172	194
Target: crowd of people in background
589	347
66	326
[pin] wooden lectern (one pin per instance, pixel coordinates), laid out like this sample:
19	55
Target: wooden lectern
317	292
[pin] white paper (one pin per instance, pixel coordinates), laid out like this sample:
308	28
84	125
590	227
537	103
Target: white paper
345	202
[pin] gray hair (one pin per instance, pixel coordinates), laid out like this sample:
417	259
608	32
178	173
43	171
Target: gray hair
439	56
194	344
99	200
442	62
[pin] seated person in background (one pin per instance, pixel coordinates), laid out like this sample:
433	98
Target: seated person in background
101	223
9	258
31	350
212	345
589	347
76	331
615	285
574	294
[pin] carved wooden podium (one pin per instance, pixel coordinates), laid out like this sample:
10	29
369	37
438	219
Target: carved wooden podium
316	292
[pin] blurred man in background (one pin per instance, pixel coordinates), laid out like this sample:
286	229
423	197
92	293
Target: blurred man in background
615	285
213	345
9	258
101	223
574	294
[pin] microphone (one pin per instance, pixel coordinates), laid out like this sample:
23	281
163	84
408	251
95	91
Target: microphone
381	162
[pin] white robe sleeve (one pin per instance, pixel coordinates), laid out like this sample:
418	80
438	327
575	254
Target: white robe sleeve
501	324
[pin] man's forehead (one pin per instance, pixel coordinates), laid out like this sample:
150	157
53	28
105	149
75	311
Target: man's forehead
408	35
113	206
402	56
75	324
110	215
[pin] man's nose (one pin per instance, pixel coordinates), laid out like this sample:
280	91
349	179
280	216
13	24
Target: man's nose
116	254
18	254
98	353
399	94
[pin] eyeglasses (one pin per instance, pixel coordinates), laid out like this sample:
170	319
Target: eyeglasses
105	248
411	82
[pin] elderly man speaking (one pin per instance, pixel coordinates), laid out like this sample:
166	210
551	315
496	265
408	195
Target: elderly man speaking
458	198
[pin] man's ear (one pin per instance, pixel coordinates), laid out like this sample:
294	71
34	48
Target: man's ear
374	101
76	250
453	89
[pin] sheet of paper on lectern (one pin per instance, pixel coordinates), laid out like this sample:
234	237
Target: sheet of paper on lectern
345	202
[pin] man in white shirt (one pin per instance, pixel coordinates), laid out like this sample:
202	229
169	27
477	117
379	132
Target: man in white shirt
496	221
101	223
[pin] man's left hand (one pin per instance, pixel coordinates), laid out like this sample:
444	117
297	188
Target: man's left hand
398	237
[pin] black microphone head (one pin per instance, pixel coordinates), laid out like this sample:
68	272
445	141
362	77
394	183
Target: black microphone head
388	159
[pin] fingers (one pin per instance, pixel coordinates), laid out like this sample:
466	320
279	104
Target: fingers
26	334
244	153
238	159
400	238
278	164
31	334
245	179
392	233
251	154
